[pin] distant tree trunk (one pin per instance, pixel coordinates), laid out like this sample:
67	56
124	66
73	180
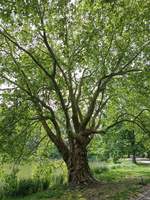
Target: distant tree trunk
133	145
148	154
128	154
78	167
134	157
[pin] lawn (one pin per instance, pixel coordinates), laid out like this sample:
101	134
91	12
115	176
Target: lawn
117	182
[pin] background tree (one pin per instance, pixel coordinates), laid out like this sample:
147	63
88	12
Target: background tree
61	62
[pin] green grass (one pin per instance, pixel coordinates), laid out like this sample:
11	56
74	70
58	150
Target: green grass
124	171
103	192
118	182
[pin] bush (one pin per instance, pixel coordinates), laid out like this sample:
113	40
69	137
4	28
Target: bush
2	180
1	193
26	187
44	175
43	171
10	184
14	187
51	173
30	186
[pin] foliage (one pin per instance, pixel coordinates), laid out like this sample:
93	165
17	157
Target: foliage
98	149
29	186
53	172
12	185
71	70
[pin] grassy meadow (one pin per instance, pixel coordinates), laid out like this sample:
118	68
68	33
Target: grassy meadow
117	182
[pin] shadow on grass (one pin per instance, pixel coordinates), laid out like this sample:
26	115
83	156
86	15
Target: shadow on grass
106	191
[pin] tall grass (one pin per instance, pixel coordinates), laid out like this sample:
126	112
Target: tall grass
32	178
52	174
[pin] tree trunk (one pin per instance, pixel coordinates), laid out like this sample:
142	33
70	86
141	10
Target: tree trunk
134	157
78	168
133	146
75	157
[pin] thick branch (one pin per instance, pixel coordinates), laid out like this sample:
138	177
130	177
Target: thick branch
9	37
102	83
58	142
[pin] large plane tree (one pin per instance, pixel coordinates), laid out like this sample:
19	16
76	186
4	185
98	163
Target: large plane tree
60	61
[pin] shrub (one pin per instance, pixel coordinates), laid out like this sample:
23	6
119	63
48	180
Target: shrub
51	173
2	180
1	193
10	184
26	187
14	187
43	171
45	174
30	186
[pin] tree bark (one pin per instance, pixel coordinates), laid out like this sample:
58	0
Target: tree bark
134	157
133	145
75	156
148	154
79	172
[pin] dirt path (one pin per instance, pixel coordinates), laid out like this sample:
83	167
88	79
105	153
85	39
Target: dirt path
144	196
